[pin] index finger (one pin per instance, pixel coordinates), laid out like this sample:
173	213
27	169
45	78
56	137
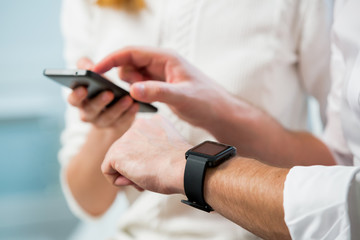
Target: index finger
153	59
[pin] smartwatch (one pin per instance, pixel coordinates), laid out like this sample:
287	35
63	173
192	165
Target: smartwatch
205	155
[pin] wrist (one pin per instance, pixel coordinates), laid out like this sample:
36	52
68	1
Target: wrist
236	122
108	134
177	169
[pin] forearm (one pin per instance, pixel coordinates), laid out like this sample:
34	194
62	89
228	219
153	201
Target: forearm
257	135
245	191
85	179
250	194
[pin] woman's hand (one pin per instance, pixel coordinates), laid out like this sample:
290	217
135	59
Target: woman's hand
117	117
85	179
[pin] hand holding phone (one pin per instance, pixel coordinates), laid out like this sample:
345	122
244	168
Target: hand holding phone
100	103
94	83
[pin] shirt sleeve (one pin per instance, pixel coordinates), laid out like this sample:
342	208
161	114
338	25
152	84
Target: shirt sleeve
322	202
333	134
314	50
76	22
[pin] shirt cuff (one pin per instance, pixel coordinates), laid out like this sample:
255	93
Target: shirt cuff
316	201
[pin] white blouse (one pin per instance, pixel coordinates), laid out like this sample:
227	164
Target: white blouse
271	53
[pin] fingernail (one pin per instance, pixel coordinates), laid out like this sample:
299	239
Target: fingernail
140	88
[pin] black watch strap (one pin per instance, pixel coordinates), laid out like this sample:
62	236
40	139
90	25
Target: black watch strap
194	183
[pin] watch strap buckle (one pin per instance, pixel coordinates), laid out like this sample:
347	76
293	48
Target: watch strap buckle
205	207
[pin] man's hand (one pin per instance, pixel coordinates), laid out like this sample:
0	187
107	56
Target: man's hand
151	154
191	95
158	75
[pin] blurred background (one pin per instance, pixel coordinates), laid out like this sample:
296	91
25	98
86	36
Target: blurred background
31	118
32	206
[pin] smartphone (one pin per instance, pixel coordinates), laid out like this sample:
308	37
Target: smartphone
94	83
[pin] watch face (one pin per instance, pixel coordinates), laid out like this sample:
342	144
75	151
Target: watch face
210	148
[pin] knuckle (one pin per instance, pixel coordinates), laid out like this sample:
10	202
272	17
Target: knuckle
159	92
104	167
84	118
101	123
71	100
106	120
90	109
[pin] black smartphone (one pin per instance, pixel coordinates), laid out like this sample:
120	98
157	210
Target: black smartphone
94	83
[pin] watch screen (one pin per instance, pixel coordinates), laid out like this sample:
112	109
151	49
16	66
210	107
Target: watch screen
210	148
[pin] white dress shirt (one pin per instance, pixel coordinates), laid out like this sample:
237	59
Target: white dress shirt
324	202
271	53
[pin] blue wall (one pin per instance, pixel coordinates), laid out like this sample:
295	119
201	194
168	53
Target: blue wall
31	119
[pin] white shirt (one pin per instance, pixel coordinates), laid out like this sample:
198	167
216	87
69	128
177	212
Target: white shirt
271	53
324	202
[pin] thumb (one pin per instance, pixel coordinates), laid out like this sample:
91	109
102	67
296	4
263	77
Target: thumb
152	91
